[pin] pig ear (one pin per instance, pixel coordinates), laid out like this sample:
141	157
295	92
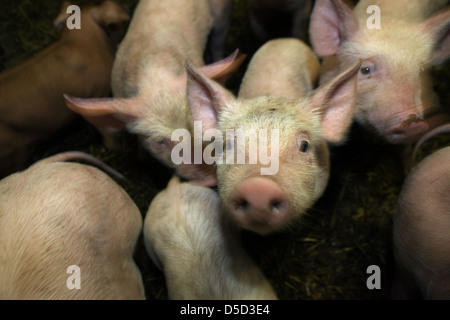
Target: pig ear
108	13
60	20
332	22
336	100
438	27
205	97
112	19
221	70
109	114
174	182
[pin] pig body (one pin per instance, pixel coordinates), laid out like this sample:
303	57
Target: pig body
79	63
48	225
189	238
149	80
395	94
298	168
421	231
293	69
263	15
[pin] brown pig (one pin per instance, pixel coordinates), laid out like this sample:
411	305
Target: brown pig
149	79
189	238
421	231
64	240
268	194
80	62
398	47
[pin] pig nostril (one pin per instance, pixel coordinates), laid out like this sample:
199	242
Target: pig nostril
276	205
398	131
241	205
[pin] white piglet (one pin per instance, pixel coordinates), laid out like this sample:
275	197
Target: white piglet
67	231
189	238
149	79
398	41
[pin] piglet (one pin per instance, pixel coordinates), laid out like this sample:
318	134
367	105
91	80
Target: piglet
289	173
149	79
189	238
398	47
79	63
421	231
67	240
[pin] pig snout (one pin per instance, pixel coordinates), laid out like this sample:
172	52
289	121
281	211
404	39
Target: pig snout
260	205
413	127
408	131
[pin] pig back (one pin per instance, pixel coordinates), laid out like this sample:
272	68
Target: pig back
161	36
421	238
284	67
58	215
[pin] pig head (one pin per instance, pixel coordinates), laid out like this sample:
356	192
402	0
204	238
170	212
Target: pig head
395	95
149	79
154	115
270	194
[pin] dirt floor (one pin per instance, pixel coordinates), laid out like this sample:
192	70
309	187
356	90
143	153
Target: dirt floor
326	256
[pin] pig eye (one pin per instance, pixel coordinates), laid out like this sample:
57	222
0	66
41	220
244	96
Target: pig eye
304	146
365	70
159	143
